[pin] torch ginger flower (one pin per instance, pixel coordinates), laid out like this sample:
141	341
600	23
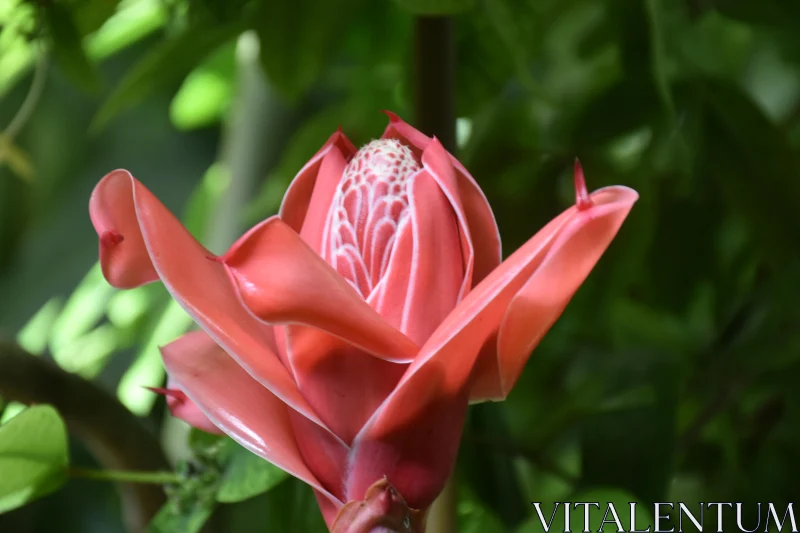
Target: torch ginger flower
343	339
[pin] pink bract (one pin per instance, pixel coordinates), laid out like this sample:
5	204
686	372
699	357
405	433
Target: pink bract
343	339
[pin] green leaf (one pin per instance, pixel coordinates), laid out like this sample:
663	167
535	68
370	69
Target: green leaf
205	445
91	14
33	456
76	341
68	47
296	43
207	92
246	475
291	506
132	22
147	368
184	517
33	336
167	63
436	7
473	517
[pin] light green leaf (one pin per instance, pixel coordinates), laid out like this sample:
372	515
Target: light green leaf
165	64
177	517
147	369
33	456
133	21
33	336
10	410
206	93
83	310
247	475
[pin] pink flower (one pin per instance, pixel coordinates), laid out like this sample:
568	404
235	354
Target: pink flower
343	339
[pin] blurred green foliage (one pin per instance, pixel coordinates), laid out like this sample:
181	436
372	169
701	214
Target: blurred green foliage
673	374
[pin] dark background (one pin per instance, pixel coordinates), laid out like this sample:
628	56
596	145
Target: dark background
672	376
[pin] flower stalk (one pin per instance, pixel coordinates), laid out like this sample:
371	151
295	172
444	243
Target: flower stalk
125	476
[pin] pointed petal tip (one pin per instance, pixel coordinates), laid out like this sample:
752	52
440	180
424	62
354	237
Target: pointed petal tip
170	393
111	238
582	200
393	117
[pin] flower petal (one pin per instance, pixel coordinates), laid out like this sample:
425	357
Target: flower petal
555	261
344	384
180	406
197	281
427	260
416	453
236	403
439	165
483	230
535	306
282	280
123	255
305	204
330	510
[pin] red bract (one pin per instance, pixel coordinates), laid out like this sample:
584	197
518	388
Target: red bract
343	339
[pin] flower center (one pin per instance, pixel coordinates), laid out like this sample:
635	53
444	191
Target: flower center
368	209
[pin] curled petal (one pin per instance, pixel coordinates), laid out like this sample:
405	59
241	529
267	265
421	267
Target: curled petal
282	280
194	278
182	407
237	404
543	297
123	255
544	273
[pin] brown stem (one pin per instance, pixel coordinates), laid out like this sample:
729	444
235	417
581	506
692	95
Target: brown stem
115	437
434	79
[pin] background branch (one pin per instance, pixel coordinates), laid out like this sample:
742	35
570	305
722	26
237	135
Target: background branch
113	434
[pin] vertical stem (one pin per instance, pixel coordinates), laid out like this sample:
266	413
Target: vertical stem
434	79
434	103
